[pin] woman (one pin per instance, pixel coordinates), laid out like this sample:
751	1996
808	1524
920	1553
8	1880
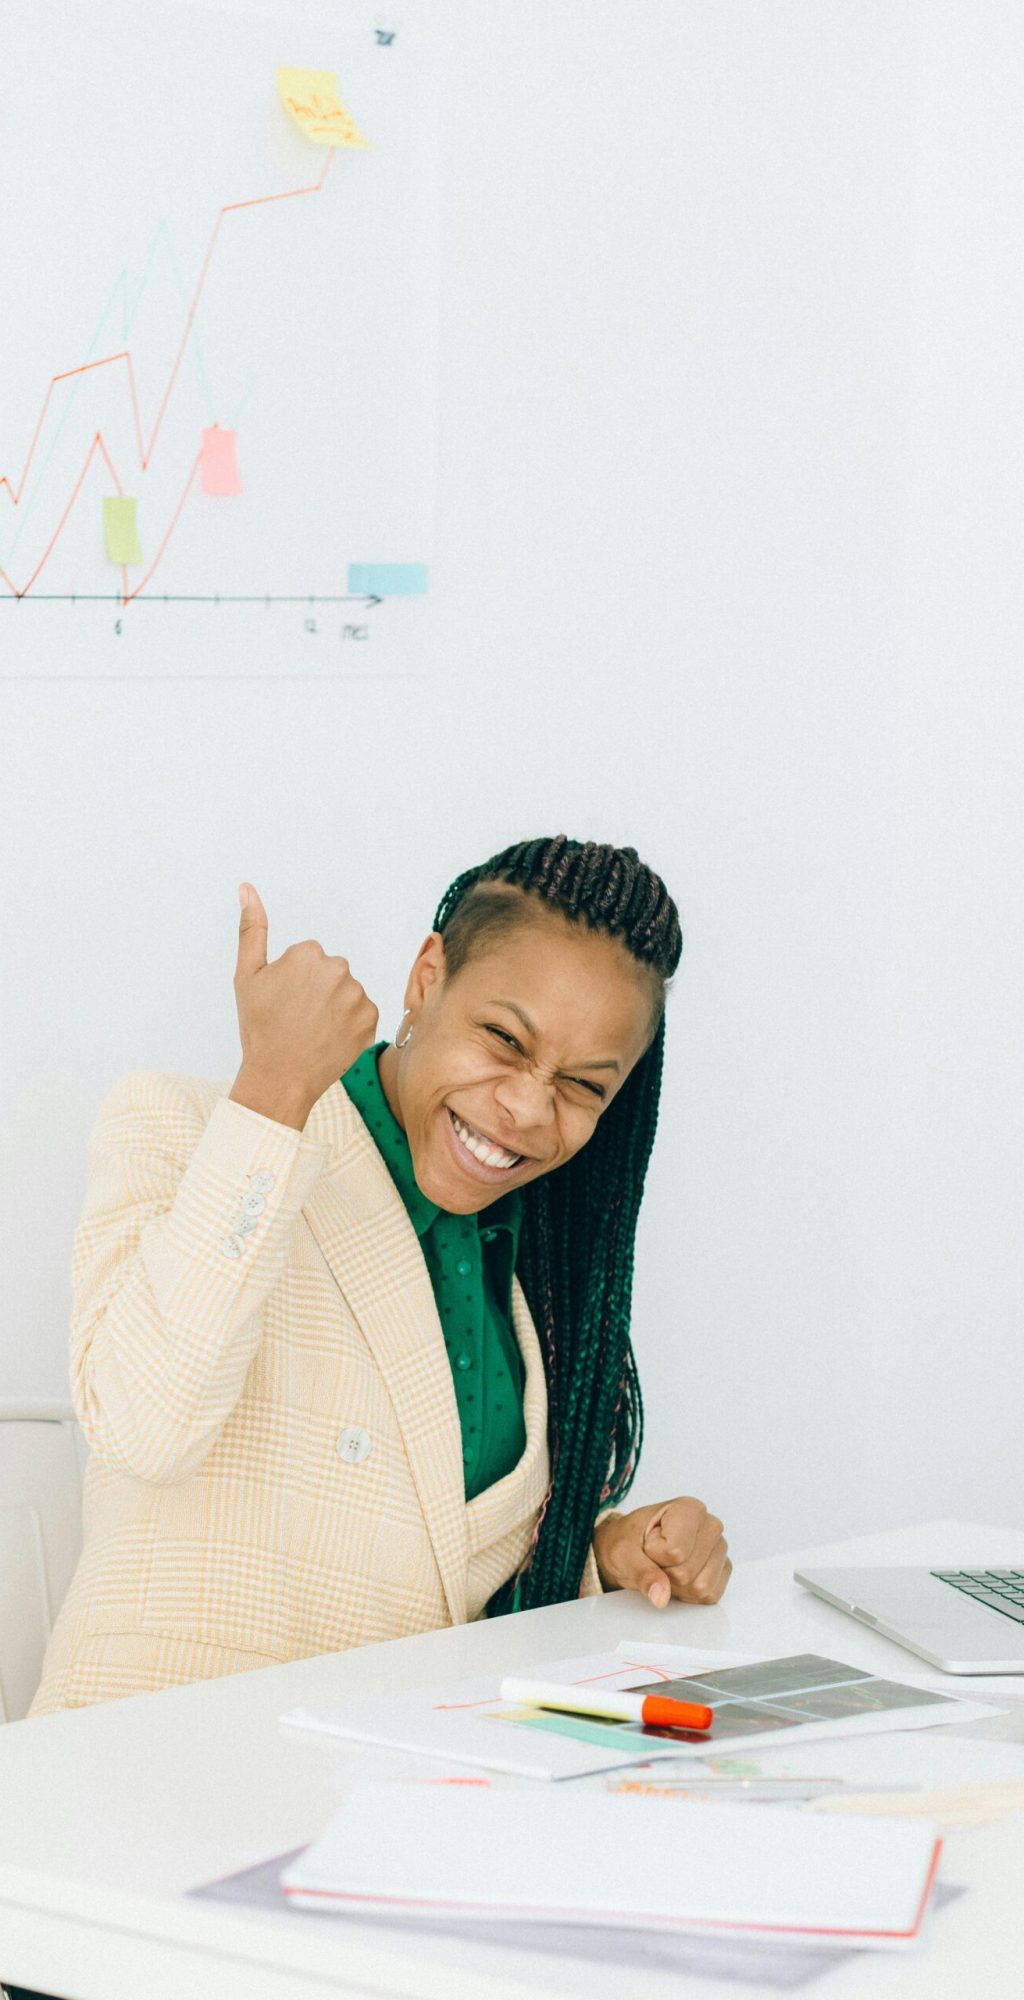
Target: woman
350	1340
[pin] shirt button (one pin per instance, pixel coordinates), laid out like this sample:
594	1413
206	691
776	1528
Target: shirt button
253	1204
489	1235
354	1445
463	1361
262	1182
467	1454
233	1246
463	1267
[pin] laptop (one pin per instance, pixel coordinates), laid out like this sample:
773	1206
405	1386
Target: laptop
966	1621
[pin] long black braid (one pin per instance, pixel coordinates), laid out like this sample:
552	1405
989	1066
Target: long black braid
576	1243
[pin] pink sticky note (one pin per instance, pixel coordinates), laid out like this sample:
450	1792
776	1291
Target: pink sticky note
220	462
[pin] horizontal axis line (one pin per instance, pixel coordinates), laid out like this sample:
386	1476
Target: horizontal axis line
179	597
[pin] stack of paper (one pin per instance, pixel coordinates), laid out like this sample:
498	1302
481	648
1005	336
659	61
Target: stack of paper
757	1704
563	1855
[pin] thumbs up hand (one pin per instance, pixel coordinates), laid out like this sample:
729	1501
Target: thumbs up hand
302	1018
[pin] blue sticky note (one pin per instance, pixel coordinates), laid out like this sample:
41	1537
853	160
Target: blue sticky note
387	579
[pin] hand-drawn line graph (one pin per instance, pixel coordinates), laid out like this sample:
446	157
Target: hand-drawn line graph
323	337
98	446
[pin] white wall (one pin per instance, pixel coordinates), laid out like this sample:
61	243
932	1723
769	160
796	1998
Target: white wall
728	566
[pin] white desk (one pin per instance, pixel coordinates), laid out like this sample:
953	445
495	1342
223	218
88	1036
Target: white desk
108	1814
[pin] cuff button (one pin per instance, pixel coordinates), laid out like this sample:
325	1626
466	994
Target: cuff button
262	1182
233	1246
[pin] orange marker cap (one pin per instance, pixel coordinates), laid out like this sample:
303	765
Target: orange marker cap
660	1712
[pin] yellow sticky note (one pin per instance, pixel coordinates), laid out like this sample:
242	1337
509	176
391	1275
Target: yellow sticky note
311	98
120	531
962	1805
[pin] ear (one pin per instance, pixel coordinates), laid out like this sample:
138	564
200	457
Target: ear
427	975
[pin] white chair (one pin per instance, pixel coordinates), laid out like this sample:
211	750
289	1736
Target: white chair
42	1459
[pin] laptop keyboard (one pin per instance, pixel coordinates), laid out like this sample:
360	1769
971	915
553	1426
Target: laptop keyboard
1001	1589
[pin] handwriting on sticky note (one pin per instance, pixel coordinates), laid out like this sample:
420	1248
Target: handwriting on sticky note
219	461
120	531
310	96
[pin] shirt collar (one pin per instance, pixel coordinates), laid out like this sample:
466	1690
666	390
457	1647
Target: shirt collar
364	1087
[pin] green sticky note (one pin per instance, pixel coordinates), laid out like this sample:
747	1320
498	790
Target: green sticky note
120	531
607	1735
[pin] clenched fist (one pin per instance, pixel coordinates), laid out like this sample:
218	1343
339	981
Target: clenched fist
303	1019
676	1549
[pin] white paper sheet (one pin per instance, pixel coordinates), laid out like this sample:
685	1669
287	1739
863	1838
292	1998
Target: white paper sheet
572	1960
467	1722
464	1722
920	1757
565	1855
1004	1690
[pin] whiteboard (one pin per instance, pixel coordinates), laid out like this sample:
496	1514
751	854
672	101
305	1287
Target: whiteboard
187	261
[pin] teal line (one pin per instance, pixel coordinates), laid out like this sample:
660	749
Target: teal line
606	1735
162	235
232	422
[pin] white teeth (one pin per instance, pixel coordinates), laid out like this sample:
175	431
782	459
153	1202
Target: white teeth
482	1149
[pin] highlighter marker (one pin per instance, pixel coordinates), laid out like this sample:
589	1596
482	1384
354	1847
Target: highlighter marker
610	1705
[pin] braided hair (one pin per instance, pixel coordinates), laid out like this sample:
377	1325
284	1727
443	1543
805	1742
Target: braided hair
575	1258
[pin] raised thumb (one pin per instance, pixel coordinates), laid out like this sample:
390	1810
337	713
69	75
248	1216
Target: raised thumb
252	930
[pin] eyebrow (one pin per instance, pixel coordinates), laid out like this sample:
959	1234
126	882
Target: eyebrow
531	1029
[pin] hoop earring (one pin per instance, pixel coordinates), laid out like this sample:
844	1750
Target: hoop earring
406	1038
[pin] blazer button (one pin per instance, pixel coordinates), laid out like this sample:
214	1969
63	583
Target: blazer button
354	1445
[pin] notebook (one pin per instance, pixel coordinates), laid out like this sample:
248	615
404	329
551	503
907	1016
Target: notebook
567	1856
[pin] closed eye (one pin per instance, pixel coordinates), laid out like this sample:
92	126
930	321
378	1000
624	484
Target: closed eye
510	1042
503	1037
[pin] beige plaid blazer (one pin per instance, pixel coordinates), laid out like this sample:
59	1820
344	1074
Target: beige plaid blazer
258	1365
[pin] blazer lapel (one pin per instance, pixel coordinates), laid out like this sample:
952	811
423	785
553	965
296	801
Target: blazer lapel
360	1223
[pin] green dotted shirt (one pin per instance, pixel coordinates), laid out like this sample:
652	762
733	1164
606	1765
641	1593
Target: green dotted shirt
470	1259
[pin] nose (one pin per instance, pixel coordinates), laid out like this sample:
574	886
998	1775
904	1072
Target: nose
526	1098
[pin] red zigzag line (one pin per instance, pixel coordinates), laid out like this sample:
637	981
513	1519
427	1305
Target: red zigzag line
145	451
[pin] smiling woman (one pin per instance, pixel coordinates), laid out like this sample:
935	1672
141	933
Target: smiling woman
538	1005
350	1339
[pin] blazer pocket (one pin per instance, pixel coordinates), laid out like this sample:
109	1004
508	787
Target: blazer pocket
109	1666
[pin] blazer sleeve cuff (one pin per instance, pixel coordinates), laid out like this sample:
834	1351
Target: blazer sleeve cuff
591	1585
247	1178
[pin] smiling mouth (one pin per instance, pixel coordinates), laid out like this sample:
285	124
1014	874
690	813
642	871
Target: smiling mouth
487	1151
